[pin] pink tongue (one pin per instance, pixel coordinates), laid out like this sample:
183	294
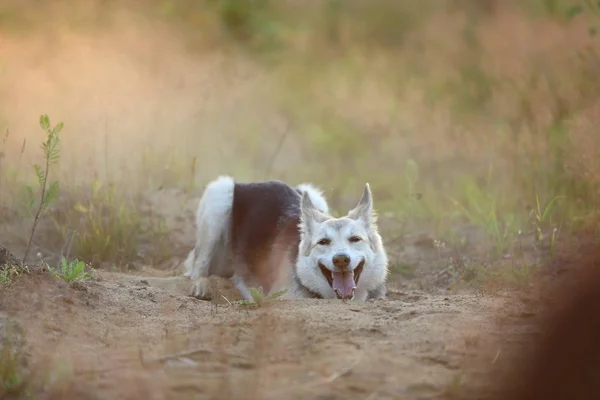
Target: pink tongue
344	283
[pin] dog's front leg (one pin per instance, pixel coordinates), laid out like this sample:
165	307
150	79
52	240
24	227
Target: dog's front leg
198	274
240	284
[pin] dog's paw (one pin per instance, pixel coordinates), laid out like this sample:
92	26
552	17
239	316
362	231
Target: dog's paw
200	289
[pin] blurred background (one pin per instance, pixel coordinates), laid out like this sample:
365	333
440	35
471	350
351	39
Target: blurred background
474	121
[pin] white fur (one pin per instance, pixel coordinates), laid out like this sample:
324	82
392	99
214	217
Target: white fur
212	236
316	196
212	254
360	222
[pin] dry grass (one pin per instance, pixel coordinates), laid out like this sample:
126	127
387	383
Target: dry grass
466	106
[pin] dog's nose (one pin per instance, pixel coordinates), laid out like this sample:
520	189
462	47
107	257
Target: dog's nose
341	260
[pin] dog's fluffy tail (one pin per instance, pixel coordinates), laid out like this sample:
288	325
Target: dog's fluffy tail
213	219
316	196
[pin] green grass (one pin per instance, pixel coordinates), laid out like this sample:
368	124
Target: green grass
71	272
110	227
481	208
8	273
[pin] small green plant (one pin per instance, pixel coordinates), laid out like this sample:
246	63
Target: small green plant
9	272
481	209
5	278
70	271
543	215
10	266
542	220
259	298
521	275
47	192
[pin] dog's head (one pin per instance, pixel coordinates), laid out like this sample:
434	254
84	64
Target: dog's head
339	257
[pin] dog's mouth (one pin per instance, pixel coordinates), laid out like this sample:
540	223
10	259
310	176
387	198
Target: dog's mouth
343	283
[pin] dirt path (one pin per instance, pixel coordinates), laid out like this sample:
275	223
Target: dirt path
105	339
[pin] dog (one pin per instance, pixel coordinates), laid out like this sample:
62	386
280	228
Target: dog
271	235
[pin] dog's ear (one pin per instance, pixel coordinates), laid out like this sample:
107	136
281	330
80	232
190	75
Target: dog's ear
310	214
364	209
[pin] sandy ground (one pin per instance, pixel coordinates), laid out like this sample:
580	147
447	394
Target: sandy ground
140	336
124	336
128	337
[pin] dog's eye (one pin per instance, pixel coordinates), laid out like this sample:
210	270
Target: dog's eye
354	239
324	242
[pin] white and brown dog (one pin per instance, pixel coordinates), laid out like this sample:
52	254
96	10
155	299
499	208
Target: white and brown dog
271	235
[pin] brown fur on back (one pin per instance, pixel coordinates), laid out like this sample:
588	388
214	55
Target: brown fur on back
264	229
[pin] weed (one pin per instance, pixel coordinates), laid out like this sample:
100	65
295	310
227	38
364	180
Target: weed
543	215
259	298
110	227
70	271
543	220
521	275
9	272
456	241
5	277
481	209
48	192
